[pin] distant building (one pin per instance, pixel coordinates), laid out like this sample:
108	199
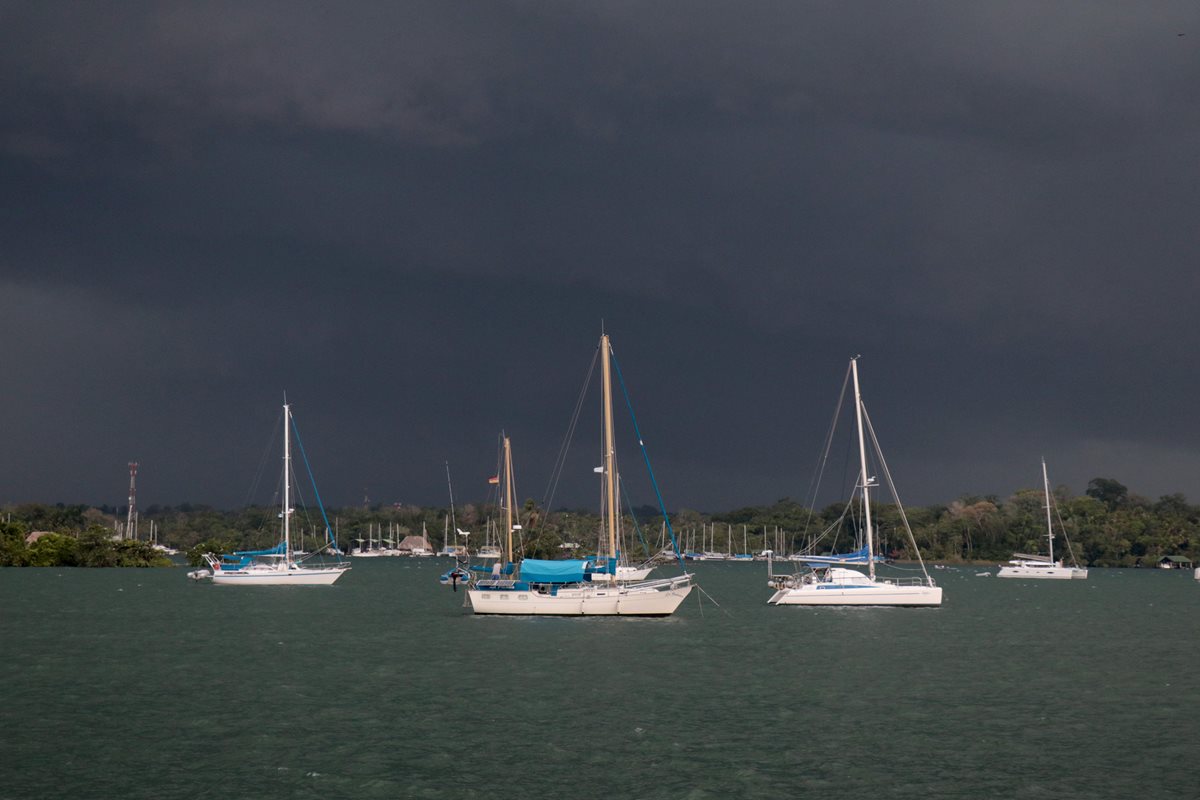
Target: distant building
1175	562
415	545
33	536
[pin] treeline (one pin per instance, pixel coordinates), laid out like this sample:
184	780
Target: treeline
93	546
1107	526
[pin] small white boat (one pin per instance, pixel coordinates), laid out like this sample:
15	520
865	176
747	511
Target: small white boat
1026	565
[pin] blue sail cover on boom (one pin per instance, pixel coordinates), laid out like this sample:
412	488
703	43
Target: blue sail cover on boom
240	559
859	556
277	550
536	570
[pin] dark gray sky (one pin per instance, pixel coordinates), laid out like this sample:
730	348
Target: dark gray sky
413	218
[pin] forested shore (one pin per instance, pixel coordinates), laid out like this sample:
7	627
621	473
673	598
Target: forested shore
1107	526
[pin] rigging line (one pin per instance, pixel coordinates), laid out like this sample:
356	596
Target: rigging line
453	521
1063	526
450	487
637	528
646	456
262	462
316	492
823	460
713	600
851	489
561	460
835	526
895	495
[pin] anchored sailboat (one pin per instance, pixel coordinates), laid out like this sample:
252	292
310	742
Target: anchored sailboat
1025	565
279	565
830	585
575	587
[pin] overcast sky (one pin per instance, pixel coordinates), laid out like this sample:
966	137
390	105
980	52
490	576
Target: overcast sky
415	217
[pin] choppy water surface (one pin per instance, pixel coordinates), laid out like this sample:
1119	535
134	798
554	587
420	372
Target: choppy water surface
142	684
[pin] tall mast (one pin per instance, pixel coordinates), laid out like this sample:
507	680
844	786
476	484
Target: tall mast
610	455
132	519
450	520
287	482
508	499
864	479
1049	527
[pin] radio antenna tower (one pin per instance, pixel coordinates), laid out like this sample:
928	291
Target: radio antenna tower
131	520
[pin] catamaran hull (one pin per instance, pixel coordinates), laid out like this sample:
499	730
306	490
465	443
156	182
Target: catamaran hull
1055	573
588	602
858	595
300	577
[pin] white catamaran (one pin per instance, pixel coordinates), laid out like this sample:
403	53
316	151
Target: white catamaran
829	585
279	565
1026	565
575	587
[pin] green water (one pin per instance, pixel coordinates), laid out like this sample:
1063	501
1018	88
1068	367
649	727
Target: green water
143	684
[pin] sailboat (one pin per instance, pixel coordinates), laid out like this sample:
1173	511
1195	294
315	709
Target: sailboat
279	565
370	551
488	550
459	552
830	585
575	587
1025	565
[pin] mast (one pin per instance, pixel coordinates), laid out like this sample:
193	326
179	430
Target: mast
1049	527
508	500
610	455
132	519
864	479
450	519
287	483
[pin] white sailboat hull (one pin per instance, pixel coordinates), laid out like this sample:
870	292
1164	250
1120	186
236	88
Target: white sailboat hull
850	588
297	576
1044	571
585	601
880	595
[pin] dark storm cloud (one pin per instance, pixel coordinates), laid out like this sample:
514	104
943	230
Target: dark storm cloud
413	217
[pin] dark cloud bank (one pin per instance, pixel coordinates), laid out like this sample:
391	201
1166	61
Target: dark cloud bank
414	219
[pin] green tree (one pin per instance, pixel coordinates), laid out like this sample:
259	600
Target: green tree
12	544
53	550
1108	491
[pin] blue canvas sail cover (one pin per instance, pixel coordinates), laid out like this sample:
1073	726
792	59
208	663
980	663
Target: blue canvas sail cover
859	556
277	550
535	570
